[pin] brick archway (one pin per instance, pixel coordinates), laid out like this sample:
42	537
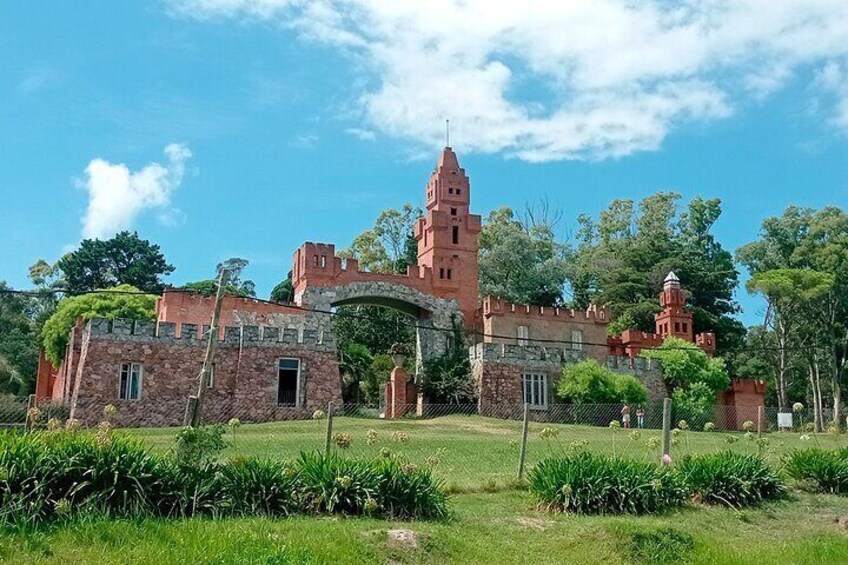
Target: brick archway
432	314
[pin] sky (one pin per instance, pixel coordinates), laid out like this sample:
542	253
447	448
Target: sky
221	128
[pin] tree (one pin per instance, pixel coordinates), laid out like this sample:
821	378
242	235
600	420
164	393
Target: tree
588	382
685	364
18	342
447	379
235	285
792	296
390	246
521	261
284	291
803	238
354	362
124	259
375	327
120	304
622	259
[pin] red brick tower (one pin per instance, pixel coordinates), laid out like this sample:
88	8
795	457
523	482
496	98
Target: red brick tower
447	234
674	321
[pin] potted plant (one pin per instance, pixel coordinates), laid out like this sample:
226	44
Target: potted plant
399	353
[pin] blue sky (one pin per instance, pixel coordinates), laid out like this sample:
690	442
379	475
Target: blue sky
222	128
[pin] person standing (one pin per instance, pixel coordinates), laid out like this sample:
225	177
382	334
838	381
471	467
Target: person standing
625	416
640	417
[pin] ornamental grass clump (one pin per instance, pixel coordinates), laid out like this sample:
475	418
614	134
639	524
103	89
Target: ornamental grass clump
405	491
332	484
584	483
819	469
255	487
730	479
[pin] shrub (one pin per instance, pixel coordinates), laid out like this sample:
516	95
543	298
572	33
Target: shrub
405	491
332	484
825	470
200	445
587	382
729	478
253	487
591	484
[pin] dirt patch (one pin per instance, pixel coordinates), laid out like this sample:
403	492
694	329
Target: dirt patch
540	524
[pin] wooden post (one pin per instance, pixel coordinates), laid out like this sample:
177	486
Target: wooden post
328	440
760	420
31	403
523	451
666	434
194	408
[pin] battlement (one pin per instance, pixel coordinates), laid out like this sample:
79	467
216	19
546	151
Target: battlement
187	334
624	363
493	306
519	354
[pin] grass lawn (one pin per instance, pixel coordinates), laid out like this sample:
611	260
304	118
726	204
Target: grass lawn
493	528
472	452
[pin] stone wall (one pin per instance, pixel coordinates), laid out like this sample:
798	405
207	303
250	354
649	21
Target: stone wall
245	379
648	371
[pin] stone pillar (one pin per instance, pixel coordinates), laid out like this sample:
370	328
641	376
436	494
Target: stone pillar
400	394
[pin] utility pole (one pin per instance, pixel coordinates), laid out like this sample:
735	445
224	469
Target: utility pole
194	409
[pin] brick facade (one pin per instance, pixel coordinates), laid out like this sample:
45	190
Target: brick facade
245	374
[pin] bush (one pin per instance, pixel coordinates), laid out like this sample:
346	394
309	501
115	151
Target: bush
593	484
730	479
200	445
47	475
587	382
405	491
825	471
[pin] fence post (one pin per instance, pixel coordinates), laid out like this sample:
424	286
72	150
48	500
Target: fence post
759	421
31	403
523	452
329	437
666	433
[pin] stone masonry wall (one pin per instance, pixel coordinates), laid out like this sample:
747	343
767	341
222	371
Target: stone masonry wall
245	378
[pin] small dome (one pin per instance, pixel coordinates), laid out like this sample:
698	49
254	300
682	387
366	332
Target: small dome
671	280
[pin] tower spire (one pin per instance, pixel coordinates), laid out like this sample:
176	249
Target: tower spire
447	133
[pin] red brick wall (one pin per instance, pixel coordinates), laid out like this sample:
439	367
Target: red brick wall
193	308
245	384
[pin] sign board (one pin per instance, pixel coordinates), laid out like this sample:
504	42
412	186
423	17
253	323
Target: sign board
784	420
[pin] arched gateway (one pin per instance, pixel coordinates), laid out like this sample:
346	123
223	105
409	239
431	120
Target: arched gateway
440	291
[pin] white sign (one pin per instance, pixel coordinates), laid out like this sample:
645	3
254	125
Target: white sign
784	420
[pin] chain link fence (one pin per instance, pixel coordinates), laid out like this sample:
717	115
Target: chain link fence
469	451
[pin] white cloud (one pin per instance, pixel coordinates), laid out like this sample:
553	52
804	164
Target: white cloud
362	134
39	78
304	141
546	80
116	195
833	80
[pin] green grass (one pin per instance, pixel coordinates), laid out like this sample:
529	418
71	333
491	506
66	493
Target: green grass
473	452
486	528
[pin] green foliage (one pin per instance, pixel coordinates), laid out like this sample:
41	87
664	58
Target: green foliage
390	246
521	261
730	479
375	327
124	259
588	382
50	475
354	364
86	306
284	291
659	545
825	470
406	492
200	445
624	255
18	343
447	379
235	285
685	364
592	484
693	404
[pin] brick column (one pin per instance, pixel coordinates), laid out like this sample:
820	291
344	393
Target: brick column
398	398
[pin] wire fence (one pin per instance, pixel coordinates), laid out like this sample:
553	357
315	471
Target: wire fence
472	451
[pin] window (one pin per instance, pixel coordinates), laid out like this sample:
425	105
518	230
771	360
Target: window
577	340
523	335
449	274
450	190
455	234
441	273
536	390
457	192
685	328
210	378
288	382
315	257
453	211
323	261
676	327
130	385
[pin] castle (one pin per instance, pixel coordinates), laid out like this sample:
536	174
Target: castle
279	361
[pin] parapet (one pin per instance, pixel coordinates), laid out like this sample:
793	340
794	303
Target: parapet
144	331
521	354
496	306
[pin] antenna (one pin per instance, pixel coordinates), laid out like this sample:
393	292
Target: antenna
447	133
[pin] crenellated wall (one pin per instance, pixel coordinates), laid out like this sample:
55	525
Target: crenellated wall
171	355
